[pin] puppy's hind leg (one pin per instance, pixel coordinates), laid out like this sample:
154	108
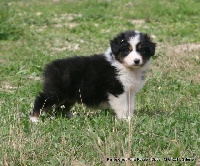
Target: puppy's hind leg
64	109
41	104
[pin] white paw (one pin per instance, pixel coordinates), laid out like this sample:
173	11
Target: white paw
125	118
34	119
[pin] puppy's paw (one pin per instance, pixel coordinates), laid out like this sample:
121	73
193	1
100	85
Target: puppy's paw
125	118
34	119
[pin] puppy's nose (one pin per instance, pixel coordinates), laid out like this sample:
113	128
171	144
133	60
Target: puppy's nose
137	61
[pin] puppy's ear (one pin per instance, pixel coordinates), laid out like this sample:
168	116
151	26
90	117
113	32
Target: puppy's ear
152	46
116	42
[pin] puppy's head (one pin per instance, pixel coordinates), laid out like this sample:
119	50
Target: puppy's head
132	48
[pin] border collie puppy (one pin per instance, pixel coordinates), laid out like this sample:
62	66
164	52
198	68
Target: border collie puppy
109	80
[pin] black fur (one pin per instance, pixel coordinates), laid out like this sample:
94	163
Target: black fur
66	79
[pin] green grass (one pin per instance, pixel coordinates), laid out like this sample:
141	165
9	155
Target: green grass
167	116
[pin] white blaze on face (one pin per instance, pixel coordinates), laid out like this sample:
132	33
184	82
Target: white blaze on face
133	59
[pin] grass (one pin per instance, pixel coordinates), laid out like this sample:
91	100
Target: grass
167	116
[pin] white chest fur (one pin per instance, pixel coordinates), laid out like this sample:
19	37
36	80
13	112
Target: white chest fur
131	79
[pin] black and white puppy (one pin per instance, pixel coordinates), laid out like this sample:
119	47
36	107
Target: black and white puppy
109	80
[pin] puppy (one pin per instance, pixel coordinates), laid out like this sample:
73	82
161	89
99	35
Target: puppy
109	80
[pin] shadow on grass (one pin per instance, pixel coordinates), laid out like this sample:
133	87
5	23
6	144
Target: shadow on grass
90	114
58	113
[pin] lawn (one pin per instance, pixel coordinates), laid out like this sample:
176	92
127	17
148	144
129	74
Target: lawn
166	123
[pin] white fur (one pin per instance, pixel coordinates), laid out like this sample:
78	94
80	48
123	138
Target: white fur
34	119
132	81
134	40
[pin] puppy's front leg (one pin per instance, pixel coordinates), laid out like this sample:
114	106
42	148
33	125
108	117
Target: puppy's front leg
123	105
